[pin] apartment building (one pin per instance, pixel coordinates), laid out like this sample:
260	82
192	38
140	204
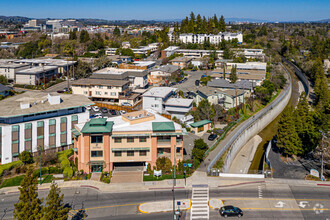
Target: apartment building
133	139
36	75
159	75
34	119
212	38
113	92
156	97
181	62
178	107
9	70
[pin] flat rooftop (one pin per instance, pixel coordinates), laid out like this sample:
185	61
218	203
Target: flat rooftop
160	92
12	65
179	102
36	70
38	102
101	82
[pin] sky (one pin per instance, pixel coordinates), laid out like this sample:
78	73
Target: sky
275	10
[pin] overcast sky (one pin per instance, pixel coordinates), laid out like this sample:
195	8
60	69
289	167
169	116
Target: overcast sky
279	10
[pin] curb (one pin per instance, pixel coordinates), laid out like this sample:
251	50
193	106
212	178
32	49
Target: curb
88	186
245	183
141	210
323	184
179	187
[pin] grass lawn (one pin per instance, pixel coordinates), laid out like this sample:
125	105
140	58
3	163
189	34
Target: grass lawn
46	179
15	181
163	177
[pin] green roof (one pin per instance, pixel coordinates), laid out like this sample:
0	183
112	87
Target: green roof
200	123
97	125
163	126
75	132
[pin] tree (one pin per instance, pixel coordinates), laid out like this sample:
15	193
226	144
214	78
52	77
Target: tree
84	70
29	205
55	209
26	157
222	24
28	50
203	111
116	32
287	137
3	79
84	36
73	35
125	52
199	150
233	75
102	62
164	164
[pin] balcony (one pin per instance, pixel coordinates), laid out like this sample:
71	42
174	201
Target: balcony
163	143
164	154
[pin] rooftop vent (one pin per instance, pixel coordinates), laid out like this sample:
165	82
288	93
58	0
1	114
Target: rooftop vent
25	105
54	100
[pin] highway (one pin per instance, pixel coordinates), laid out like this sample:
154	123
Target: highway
258	201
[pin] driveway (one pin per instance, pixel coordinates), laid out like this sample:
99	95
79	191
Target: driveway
188	143
189	85
59	86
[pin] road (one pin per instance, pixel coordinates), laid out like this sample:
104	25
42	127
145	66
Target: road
258	201
189	85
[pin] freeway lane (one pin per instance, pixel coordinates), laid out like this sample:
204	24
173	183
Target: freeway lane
258	201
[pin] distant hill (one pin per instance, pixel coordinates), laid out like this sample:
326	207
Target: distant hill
14	19
322	21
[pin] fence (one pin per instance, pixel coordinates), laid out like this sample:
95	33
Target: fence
253	126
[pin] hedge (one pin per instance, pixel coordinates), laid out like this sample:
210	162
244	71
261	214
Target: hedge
65	163
44	170
10	166
68	172
55	170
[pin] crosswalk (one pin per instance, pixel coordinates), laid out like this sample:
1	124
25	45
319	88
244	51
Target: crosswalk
199	202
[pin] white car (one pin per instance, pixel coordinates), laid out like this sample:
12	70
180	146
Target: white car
95	108
88	108
122	112
98	114
126	104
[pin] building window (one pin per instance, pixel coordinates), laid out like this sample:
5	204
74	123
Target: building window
40	133
117	153
15	140
52	133
98	93
105	93
85	92
117	140
96	139
130	140
100	87
109	87
98	153
63	129
28	137
142	139
130	153
143	153
113	93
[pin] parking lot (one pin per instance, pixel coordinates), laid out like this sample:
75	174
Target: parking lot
98	114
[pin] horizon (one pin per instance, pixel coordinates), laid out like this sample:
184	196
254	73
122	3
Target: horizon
147	10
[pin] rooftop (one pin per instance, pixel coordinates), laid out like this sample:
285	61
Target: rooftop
222	83
36	70
102	82
181	59
160	92
179	102
144	63
37	102
211	90
200	123
166	68
4	88
12	65
163	126
97	125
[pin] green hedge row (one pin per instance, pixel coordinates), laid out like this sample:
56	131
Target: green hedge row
65	163
10	166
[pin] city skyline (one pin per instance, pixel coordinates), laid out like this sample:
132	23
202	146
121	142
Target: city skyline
293	10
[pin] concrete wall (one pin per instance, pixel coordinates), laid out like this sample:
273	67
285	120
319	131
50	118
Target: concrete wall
254	125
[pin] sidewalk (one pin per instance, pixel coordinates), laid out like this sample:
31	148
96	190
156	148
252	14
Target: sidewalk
164	206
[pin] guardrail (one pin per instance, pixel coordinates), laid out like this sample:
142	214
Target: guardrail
248	124
302	77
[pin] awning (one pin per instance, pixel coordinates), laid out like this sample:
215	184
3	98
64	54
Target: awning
128	149
130	135
167	134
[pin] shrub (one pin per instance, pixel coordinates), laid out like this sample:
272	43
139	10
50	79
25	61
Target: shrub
55	170
26	157
89	176
44	170
9	166
65	163
68	172
164	164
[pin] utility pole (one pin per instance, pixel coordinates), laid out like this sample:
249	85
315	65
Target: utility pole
43	71
40	164
67	71
236	99
243	101
174	182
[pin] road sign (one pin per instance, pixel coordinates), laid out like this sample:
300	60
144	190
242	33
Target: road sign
315	173
178	203
185	164
189	165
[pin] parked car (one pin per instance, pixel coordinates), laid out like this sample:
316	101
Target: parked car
212	137
197	83
104	110
95	108
98	114
92	116
126	104
112	112
122	112
230	210
88	108
172	84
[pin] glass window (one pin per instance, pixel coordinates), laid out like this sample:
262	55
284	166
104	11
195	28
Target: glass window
143	153
98	153
143	139
117	153
113	93
117	140
130	140
96	139
130	153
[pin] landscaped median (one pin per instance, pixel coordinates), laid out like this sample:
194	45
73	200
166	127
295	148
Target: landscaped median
164	206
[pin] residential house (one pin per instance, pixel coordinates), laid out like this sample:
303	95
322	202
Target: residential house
181	62
159	75
4	90
9	70
156	97
37	75
200	126
178	107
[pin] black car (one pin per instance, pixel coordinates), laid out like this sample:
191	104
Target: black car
230	210
104	110
212	137
112	112
197	83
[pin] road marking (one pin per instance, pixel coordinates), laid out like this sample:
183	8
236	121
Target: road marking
318	208
200	202
141	210
236	198
260	191
283	209
303	204
280	204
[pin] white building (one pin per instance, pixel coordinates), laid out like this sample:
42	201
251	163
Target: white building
35	119
156	97
212	38
178	107
9	70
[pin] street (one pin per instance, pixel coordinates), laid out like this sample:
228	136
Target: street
189	85
258	201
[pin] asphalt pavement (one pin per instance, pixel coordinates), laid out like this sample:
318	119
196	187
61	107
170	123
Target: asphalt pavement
189	85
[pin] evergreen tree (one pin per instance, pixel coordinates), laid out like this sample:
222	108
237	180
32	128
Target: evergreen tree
116	31
287	137
204	26
216	22
233	74
73	35
222	24
29	205
199	23
55	209
84	36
